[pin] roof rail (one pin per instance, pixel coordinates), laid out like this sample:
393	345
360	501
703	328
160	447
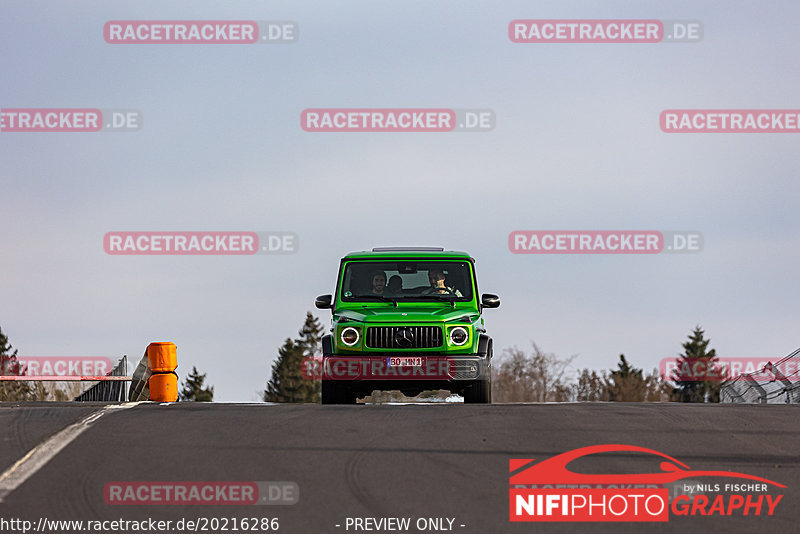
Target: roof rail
408	249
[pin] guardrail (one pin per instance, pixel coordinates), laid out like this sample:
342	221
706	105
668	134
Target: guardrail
153	379
768	385
109	389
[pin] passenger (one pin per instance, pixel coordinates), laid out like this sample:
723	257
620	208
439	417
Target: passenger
378	282
395	285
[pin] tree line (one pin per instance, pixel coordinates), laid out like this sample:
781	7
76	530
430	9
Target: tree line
520	376
538	376
517	376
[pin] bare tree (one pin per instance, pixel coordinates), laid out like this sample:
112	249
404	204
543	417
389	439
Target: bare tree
535	377
590	386
544	377
658	389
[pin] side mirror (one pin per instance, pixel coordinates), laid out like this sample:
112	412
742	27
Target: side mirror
324	302
490	301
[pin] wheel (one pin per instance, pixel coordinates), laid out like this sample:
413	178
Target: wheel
479	393
333	393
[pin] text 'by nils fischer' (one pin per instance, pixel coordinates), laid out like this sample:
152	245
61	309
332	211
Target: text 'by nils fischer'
400	524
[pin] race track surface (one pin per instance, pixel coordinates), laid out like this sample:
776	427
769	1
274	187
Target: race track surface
432	461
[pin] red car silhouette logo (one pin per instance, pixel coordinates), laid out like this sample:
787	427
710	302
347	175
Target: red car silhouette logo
554	470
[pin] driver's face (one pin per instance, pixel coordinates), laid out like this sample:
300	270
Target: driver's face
436	278
378	283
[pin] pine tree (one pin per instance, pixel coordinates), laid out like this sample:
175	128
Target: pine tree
310	340
9	366
288	383
194	390
629	384
696	390
626	383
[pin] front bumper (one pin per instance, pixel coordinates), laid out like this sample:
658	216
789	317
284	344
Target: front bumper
434	368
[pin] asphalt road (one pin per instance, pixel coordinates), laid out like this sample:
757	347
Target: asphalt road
380	461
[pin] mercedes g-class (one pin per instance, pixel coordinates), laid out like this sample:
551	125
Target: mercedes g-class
407	319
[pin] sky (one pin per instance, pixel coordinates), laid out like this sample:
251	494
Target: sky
576	145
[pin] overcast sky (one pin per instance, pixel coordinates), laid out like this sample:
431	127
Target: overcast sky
577	145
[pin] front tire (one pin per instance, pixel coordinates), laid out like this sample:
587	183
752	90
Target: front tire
481	391
334	393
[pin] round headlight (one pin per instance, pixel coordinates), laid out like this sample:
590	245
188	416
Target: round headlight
349	336
458	335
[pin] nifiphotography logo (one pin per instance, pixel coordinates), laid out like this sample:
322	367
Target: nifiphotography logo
549	491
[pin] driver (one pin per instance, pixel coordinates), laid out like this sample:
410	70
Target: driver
438	287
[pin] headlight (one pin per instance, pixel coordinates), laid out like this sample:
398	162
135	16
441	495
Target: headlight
458	335
349	336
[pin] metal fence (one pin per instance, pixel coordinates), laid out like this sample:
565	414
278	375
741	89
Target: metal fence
109	390
769	385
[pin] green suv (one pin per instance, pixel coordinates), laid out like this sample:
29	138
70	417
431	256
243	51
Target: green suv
406	319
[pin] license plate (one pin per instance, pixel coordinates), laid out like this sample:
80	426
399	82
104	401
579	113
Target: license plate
404	361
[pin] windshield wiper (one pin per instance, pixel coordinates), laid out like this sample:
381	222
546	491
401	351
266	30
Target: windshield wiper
444	298
378	297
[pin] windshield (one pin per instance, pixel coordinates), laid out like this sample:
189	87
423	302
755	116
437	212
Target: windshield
407	280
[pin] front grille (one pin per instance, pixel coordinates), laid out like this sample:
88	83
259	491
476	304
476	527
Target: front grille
404	337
